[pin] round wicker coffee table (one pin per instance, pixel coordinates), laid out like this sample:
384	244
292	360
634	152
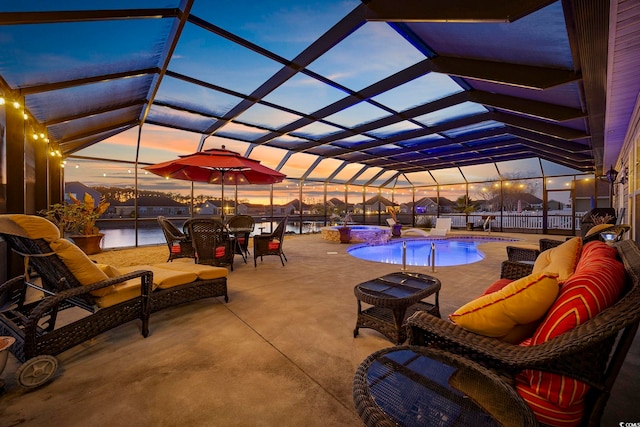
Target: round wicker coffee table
415	386
393	298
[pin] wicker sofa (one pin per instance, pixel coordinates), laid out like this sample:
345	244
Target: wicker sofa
591	352
36	308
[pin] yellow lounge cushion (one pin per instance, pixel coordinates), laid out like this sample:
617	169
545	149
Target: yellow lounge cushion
162	277
204	272
37	227
84	270
521	302
123	291
561	260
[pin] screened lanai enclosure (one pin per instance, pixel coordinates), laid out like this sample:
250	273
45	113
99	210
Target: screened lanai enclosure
463	109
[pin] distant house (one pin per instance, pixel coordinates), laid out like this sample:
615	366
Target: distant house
374	205
77	190
423	206
148	207
214	208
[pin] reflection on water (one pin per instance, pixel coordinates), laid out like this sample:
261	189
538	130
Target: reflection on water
125	237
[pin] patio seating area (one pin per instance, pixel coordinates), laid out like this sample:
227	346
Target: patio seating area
282	347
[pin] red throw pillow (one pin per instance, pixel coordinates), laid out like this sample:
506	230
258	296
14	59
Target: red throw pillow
241	240
175	248
273	246
496	286
220	251
595	285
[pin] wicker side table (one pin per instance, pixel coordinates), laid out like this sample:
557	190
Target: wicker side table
420	386
393	298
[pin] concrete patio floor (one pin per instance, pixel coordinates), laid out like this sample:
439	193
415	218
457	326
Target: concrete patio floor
281	352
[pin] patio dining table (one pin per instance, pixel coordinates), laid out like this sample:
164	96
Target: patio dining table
241	235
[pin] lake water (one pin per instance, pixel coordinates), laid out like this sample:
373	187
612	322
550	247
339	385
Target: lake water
125	237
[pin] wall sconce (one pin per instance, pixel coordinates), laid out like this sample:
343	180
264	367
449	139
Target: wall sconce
611	175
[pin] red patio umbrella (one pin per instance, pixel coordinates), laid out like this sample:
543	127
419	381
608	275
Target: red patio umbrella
217	166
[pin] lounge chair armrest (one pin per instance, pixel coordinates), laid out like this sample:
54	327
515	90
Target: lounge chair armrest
13	291
51	301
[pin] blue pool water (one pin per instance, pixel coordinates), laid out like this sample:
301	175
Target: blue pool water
448	251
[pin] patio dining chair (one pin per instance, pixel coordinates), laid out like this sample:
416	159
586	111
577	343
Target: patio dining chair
179	244
270	244
212	242
241	226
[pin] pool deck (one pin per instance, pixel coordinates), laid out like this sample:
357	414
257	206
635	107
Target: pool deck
280	352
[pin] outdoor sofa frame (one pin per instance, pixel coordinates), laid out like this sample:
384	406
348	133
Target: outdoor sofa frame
592	352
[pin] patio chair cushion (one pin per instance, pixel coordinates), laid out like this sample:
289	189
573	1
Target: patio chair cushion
596	285
220	252
274	245
561	260
204	272
519	303
37	227
85	270
122	292
163	278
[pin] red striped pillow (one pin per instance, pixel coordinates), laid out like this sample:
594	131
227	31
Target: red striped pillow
595	285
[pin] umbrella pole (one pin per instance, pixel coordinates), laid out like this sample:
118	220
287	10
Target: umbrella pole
222	204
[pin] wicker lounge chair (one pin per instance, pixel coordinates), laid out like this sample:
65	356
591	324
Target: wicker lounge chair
270	244
179	244
211	241
592	352
529	254
41	326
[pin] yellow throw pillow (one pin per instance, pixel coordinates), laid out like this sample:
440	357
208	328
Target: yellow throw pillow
519	303
561	260
109	270
37	227
85	270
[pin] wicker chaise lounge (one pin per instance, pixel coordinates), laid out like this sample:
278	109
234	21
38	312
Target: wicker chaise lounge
591	352
36	307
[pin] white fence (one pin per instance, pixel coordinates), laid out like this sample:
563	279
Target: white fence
522	221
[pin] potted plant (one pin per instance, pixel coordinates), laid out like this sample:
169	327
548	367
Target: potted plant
345	231
78	219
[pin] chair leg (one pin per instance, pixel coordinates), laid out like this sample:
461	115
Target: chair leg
282	260
285	257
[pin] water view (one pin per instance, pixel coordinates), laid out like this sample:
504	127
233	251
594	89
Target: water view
125	237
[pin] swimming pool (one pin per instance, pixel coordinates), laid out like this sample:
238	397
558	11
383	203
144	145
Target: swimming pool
451	251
